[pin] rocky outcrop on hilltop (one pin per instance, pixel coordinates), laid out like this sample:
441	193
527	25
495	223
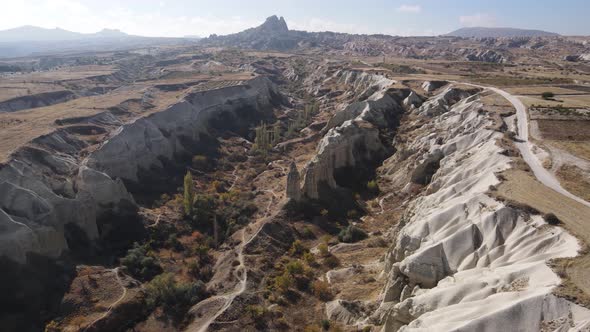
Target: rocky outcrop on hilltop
494	48
463	260
443	101
431	86
272	34
576	58
50	188
486	56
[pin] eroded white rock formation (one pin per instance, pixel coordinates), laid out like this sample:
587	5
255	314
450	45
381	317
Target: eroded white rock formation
352	135
463	261
353	142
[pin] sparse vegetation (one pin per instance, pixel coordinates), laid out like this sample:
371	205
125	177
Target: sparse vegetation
307	233
173	296
297	249
189	194
373	187
401	69
551	219
352	234
283	282
331	261
141	263
548	95
322	290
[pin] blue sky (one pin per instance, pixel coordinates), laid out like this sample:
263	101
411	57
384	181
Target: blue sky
203	17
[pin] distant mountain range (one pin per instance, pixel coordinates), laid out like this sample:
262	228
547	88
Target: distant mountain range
32	33
274	34
479	32
31	40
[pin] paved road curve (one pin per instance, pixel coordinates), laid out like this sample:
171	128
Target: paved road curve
524	145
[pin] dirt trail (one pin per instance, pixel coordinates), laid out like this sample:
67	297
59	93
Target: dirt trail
241	271
116	272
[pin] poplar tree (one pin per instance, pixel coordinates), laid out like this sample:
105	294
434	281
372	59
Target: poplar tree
189	194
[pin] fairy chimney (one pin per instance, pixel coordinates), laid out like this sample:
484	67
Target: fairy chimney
293	188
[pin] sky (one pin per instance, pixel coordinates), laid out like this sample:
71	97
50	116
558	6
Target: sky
176	18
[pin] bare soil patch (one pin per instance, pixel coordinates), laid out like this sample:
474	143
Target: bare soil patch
574	180
565	130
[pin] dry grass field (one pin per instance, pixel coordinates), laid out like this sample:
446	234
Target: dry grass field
523	188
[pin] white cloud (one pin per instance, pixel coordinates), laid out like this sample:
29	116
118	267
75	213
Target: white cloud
478	20
409	9
80	16
76	16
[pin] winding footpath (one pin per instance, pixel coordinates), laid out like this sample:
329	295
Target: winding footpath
110	308
240	272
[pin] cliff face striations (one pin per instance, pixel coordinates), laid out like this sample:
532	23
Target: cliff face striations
353	135
463	261
49	185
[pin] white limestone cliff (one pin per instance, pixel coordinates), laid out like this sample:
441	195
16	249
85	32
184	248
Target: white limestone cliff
352	136
463	261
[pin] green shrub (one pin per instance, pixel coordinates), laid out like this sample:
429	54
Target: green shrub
309	258
203	209
373	187
140	263
331	261
352	234
322	290
174	297
323	249
307	233
294	267
218	186
297	249
283	282
259	315
547	95
173	243
325	324
552	219
200	270
189	194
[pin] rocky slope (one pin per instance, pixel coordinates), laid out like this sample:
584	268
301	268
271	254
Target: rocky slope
461	260
352	136
479	32
487	45
33	101
49	188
